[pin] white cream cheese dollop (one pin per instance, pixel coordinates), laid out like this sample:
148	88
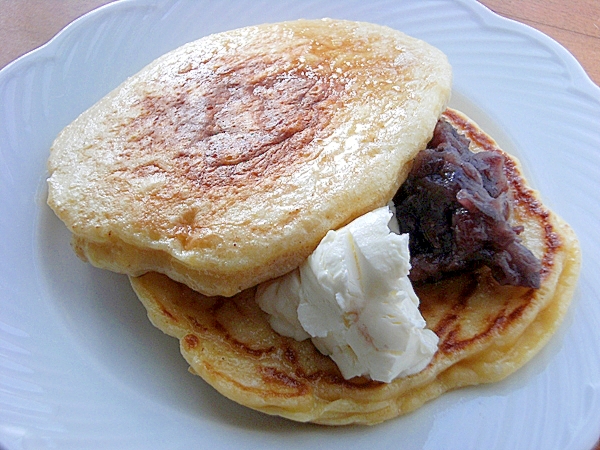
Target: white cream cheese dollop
353	298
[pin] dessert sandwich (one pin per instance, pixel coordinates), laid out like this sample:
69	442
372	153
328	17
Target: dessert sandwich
296	203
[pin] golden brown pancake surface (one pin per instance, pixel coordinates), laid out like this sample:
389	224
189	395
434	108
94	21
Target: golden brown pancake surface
224	162
486	331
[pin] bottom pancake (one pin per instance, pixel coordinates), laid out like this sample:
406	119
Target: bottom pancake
486	331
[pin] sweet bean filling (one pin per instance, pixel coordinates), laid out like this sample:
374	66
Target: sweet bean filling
456	206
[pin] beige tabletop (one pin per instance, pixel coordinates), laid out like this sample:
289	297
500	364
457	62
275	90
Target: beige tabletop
27	24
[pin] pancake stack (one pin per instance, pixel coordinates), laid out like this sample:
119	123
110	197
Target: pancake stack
222	165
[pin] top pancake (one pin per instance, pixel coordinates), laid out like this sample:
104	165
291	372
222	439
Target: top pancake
223	163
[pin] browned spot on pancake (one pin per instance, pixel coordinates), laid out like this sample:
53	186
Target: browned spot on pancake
271	375
449	306
331	375
241	346
190	341
453	343
291	355
148	169
196	324
356	383
465	287
446	325
166	313
232	125
522	194
303	380
496	324
223	328
219	302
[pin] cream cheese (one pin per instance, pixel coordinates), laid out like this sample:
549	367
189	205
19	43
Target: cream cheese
353	298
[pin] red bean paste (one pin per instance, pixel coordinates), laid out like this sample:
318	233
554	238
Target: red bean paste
455	205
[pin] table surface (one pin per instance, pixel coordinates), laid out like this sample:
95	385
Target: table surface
25	25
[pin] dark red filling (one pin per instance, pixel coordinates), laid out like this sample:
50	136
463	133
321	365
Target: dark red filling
455	205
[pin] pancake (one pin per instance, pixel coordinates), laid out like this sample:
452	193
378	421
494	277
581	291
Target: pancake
487	331
223	163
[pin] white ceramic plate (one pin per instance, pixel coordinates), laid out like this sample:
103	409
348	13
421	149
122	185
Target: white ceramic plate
81	366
